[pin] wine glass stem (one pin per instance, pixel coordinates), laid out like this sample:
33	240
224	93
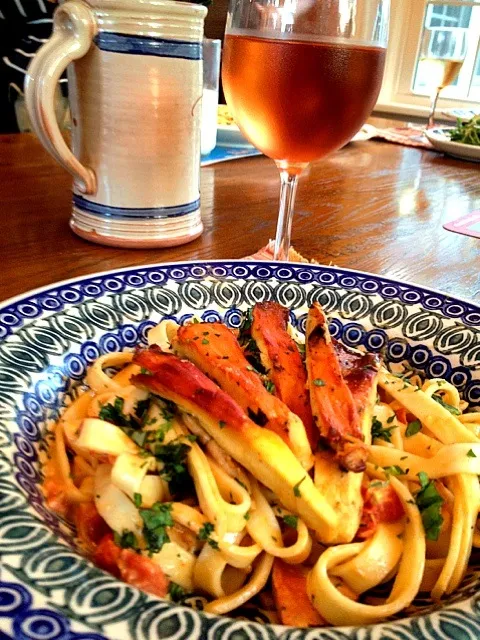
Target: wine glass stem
288	189
431	117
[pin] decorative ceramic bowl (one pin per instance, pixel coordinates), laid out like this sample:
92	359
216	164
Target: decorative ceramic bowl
48	591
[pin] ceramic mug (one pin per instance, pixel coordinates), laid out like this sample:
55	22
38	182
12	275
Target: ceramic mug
135	89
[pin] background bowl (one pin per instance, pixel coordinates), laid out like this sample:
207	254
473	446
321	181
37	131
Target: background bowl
440	138
50	336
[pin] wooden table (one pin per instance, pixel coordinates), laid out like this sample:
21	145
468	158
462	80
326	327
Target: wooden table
372	206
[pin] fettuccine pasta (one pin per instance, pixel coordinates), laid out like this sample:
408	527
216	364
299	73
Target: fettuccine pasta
247	467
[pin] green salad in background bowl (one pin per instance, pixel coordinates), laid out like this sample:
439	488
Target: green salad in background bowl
467	132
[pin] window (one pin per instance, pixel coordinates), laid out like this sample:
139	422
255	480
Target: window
408	76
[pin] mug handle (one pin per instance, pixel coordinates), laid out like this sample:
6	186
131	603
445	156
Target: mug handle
74	28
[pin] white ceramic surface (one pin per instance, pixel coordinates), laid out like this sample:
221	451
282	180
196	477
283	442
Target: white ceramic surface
440	138
135	87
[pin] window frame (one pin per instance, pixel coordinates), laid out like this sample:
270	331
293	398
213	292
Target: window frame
406	25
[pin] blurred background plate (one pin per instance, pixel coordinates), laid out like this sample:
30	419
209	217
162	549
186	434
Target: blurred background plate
229	135
460	114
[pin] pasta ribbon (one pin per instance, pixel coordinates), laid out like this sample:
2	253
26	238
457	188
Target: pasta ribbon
62	464
375	562
449	393
256	583
240	557
177	564
263	527
450	460
104	437
163	334
341	610
445	426
466	502
72	419
213	574
129	473
96	377
237	508
114	506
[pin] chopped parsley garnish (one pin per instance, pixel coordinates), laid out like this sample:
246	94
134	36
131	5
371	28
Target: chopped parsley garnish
128	424
137	500
318	382
242	484
141	408
247	516
155	522
160	433
168	411
222	424
429	502
453	410
176	592
394	470
175	472
269	385
248	344
296	488
247	321
139	437
291	521
205	341
114	413
378	483
413	428
127	540
205	531
205	534
379	431
471	454
301	349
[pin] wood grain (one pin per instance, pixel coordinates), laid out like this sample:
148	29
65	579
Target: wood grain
372	206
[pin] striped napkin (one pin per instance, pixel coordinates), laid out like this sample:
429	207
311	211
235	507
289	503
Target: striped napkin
408	136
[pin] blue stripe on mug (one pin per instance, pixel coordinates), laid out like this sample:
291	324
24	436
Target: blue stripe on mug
148	46
128	214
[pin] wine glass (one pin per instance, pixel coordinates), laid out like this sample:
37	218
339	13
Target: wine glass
442	53
301	77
